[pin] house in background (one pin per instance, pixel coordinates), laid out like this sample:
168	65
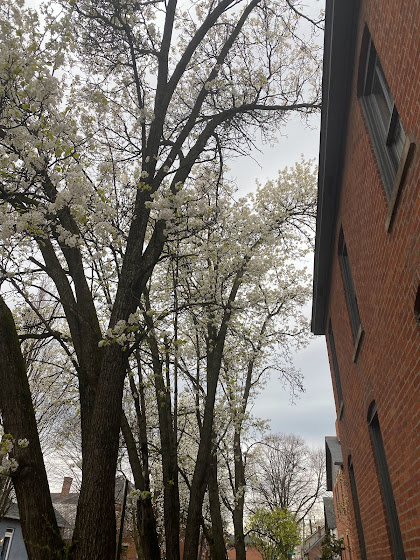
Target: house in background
311	546
251	552
12	546
337	508
65	502
366	298
11	539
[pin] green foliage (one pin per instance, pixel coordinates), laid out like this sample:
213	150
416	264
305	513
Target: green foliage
274	532
331	547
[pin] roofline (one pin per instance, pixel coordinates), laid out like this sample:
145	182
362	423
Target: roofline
341	22
333	456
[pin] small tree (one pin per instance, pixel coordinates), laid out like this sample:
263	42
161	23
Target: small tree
332	547
274	532
288	474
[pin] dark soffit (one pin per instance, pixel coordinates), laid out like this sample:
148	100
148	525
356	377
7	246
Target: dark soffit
341	20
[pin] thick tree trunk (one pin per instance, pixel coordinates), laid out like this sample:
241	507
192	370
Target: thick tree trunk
95	531
217	541
39	526
238	512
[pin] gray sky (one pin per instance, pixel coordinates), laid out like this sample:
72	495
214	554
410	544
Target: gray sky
313	415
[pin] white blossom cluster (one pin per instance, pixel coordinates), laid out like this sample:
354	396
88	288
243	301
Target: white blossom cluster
123	333
9	464
145	115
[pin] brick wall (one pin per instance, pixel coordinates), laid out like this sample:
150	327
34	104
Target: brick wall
345	523
386	274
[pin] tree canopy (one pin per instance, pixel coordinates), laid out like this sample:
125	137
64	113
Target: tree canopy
274	532
117	118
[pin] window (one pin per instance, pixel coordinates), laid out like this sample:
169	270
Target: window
356	325
417	306
356	509
348	546
336	369
5	544
385	484
383	121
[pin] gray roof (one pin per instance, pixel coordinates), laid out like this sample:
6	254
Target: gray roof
334	459
329	513
72	498
13	513
67	505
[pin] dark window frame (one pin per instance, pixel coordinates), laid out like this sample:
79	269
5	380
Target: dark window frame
385	483
352	304
336	370
392	146
356	509
383	121
348	546
417	305
5	552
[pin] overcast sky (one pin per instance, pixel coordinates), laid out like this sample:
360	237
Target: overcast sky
313	415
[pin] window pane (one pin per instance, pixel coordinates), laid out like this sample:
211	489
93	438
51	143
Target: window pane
5	548
379	91
386	486
349	287
385	127
356	508
335	366
399	139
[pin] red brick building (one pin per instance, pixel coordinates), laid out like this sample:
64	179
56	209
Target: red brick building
367	264
341	521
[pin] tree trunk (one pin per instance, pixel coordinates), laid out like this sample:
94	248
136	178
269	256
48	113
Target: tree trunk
199	481
146	521
217	541
37	517
215	346
169	457
94	536
238	512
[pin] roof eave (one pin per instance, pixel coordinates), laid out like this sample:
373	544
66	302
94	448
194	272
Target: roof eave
341	21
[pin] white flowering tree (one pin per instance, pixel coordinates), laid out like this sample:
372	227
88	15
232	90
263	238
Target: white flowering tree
262	349
217	308
104	106
265	321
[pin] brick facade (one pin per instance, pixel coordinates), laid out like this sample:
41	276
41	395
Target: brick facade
344	519
385	269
